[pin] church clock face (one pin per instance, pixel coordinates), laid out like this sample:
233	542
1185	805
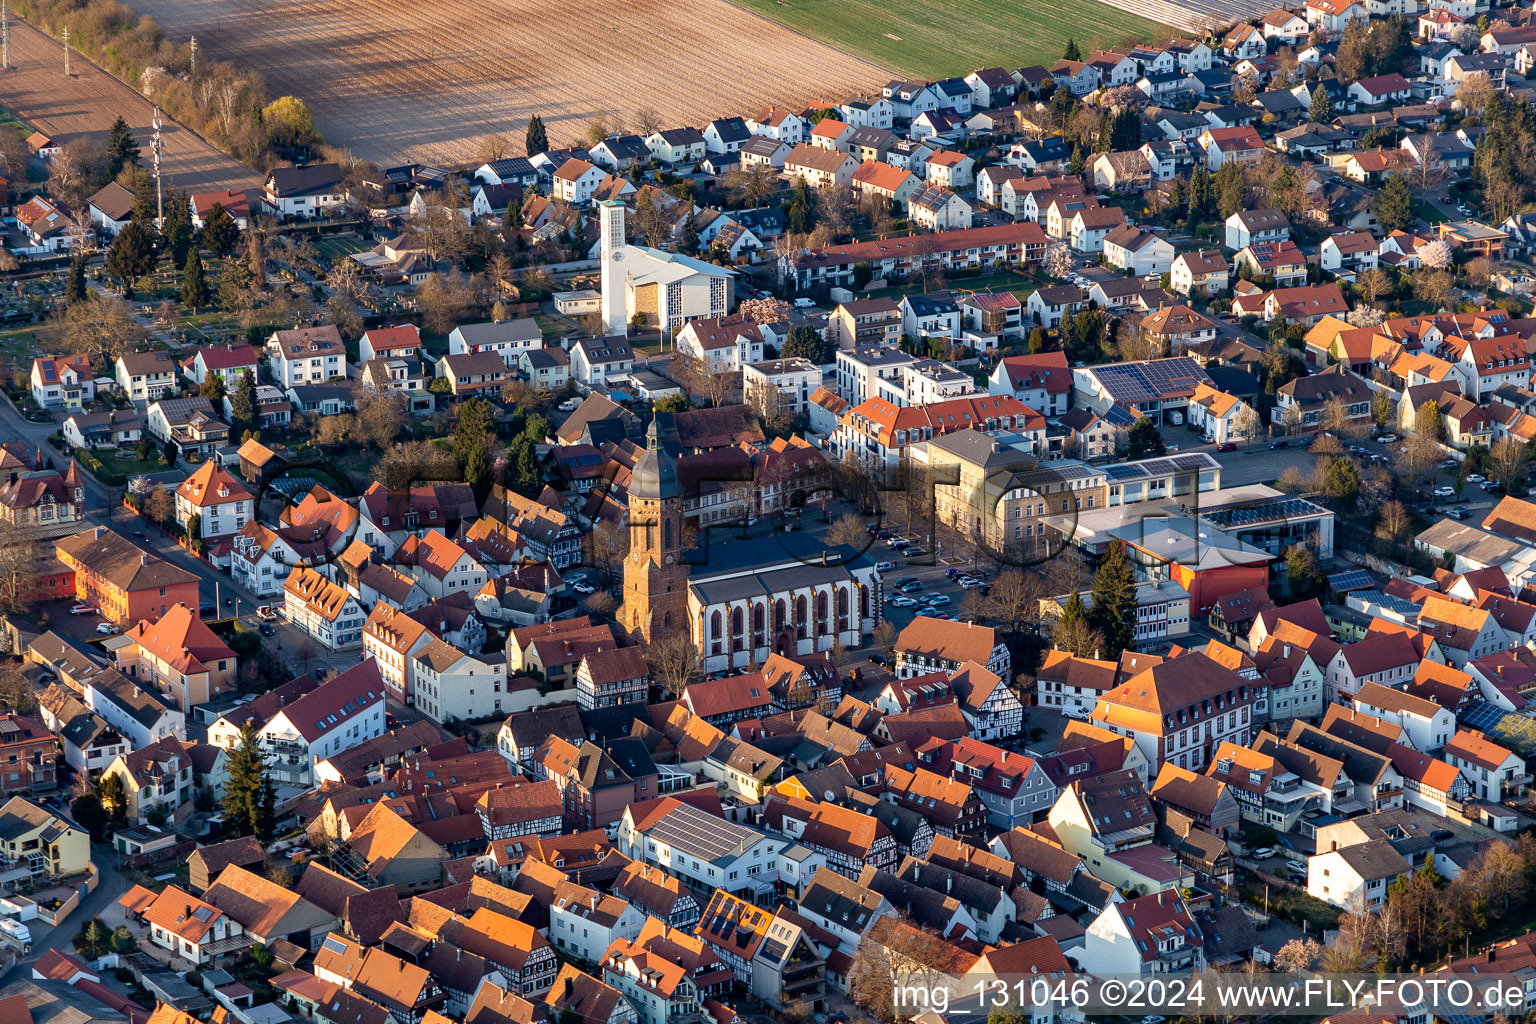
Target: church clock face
618	255
670	559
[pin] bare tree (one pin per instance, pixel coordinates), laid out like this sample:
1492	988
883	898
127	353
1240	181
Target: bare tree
101	328
1394	520
606	545
380	419
848	531
1336	418
871	982
602	604
647	121
1246	425
1508	461
20	565
674	661
160	505
1015	599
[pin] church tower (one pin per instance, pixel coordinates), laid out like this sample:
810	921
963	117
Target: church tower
615	284
655	577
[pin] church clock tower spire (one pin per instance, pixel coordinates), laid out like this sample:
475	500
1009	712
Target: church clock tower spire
655	577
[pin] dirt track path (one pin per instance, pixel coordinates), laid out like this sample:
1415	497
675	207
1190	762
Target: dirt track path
430	79
86	104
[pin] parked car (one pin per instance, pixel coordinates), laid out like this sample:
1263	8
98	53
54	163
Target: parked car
913	552
1387	438
912	588
1297	866
570	404
1264	853
1227	446
1475	478
884	566
1445	492
903	602
105	628
898	543
1459	514
266	629
1276	445
82	609
938	600
584	588
1442	834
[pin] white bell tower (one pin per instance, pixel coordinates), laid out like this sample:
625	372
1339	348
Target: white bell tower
615	285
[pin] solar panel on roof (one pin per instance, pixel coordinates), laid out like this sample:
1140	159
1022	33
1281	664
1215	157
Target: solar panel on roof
1191	462
1122	472
1483	717
1352	579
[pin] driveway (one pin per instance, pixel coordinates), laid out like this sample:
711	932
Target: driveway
61	937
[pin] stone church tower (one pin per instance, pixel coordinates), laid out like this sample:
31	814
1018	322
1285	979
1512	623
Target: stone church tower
655	576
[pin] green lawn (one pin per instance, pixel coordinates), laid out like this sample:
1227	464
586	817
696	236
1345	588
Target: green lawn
128	463
1427	212
955	37
334	247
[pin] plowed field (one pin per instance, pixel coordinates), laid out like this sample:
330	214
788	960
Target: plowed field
85	104
398	80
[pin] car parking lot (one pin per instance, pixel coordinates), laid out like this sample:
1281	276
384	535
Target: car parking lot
914	588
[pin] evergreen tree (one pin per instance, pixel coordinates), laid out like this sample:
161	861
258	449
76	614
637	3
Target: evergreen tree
1199	193
478	473
194	286
513	217
1106	135
220	232
122	151
690	240
74	285
234	285
1341	480
243	786
113	795
1125	132
525	477
242	406
1178	196
535	138
176	229
1144	440
131	256
1114	601
1301	572
1075	167
1321	107
579	243
805	342
474	423
265	819
1393	205
1072	52
802	209
1428	421
213	388
1231	190
1072	611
